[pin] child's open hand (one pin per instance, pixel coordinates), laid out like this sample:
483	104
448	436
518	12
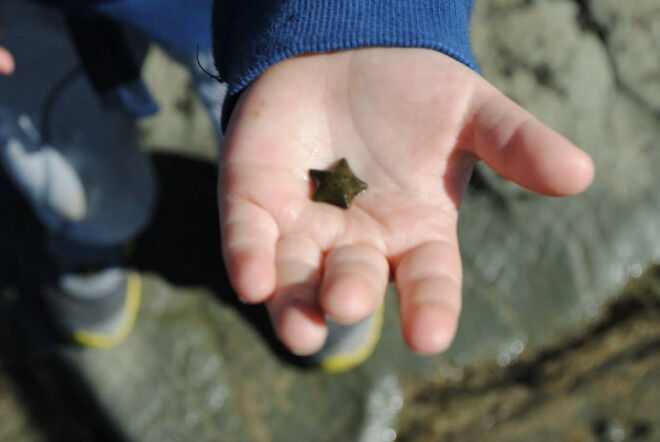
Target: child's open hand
411	123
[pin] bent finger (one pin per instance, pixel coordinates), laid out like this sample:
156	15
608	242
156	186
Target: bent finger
249	239
354	282
294	310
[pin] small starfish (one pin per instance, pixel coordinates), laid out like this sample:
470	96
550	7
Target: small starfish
337	186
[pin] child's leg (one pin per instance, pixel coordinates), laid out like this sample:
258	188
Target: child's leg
211	91
88	182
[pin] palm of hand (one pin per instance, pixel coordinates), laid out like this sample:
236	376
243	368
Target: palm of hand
411	123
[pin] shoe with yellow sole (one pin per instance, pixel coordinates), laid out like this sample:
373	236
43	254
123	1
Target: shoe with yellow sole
348	346
96	308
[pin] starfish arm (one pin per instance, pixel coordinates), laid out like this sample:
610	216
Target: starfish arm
342	167
346	201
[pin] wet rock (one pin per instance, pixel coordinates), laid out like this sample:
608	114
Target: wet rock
599	384
536	266
193	370
182	119
630	33
15	423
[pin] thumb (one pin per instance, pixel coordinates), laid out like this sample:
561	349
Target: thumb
522	149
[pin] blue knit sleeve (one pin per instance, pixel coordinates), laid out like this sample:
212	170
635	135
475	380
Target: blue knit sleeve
252	35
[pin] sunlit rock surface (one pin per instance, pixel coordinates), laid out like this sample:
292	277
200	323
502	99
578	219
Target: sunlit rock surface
598	384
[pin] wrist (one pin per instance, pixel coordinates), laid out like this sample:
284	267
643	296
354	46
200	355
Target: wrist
253	35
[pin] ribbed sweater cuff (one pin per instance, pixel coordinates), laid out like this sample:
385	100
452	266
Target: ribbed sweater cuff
252	35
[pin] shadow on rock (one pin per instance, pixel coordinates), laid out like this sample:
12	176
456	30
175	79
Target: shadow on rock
58	401
182	245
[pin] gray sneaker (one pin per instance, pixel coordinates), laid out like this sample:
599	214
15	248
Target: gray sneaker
96	309
93	300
